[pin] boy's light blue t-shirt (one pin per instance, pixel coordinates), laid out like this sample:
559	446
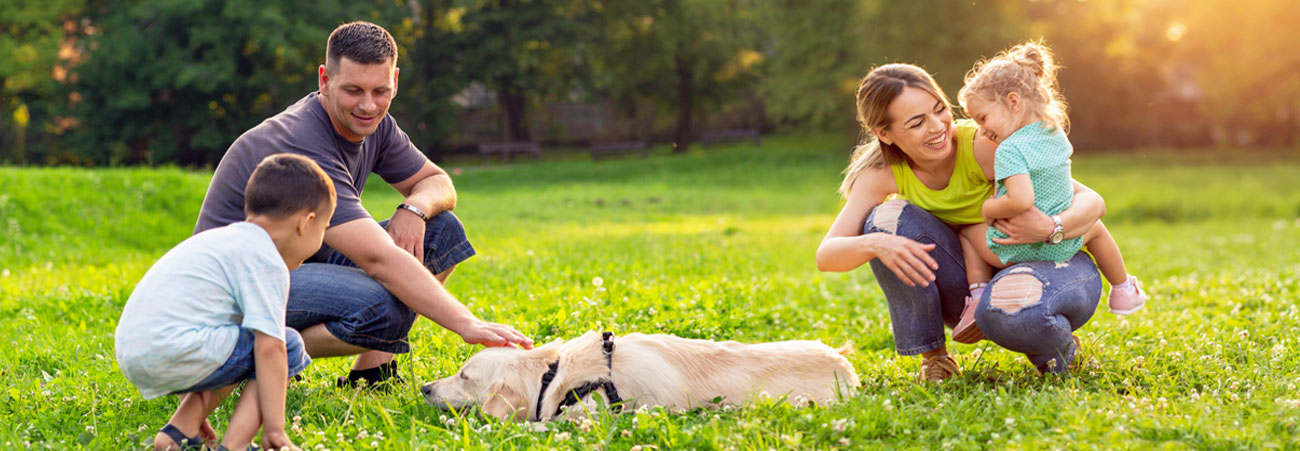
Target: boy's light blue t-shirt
182	321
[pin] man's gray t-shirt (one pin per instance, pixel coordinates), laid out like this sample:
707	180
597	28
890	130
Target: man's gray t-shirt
305	129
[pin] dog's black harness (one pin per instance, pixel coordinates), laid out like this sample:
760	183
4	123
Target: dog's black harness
573	396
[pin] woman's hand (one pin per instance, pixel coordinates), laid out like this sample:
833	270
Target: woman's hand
908	259
1032	226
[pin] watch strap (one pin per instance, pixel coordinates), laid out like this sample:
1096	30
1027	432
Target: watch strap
413	209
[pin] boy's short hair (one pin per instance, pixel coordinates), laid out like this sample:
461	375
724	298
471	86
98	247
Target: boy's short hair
284	184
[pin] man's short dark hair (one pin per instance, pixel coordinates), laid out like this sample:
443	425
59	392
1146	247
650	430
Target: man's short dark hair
362	42
284	184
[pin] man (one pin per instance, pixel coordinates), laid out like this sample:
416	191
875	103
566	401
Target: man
345	127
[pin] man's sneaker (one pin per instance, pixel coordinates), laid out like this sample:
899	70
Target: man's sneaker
1124	302
385	374
937	368
966	331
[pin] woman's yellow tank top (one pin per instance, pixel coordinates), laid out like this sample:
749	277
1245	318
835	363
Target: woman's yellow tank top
960	201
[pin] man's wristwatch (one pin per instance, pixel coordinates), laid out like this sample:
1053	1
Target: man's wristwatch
1058	231
420	213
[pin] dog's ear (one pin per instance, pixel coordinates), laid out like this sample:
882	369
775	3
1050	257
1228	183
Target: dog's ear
506	402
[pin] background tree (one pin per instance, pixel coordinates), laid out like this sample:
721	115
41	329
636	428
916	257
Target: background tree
519	49
38	42
678	54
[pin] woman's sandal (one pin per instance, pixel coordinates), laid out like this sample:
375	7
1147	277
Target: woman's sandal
194	443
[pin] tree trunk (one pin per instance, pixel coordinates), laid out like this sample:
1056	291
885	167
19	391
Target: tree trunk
512	102
685	102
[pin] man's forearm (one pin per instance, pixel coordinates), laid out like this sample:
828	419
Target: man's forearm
433	195
408	280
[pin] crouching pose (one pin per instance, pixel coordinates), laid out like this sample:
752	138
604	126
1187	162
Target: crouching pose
210	313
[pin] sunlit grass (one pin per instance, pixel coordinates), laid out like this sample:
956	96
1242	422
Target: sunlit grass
718	246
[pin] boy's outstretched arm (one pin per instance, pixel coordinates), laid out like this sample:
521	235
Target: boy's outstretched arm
272	363
1018	199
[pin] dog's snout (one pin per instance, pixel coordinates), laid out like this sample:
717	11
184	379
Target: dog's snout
427	389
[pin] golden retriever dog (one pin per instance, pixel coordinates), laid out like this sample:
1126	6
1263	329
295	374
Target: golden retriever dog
637	370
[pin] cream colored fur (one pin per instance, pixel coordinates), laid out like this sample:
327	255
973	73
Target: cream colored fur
649	370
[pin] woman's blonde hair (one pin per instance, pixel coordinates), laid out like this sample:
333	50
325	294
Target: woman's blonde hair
876	92
1027	69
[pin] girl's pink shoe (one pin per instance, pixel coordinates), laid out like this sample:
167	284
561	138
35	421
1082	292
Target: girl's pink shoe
1124	302
966	331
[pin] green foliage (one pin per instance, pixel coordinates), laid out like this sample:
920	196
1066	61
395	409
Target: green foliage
177	81
717	246
521	48
680	56
32	34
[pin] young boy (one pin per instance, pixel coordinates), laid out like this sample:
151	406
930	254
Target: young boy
210	313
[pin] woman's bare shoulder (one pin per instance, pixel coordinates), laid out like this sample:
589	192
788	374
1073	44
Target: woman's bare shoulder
985	150
873	183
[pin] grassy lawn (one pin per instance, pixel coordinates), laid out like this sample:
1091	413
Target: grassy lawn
716	245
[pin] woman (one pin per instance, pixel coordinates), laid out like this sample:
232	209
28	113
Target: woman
918	176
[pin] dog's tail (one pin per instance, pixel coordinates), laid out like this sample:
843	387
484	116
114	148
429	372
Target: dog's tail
847	349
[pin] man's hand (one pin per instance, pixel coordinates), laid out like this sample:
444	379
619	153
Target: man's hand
1032	226
407	230
493	334
274	440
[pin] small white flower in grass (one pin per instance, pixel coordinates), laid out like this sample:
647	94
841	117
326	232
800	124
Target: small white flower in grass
529	253
627	433
839	425
562	436
844	442
597	281
4	273
1010	421
373	443
363	435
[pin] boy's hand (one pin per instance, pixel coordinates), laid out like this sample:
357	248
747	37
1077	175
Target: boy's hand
208	434
275	440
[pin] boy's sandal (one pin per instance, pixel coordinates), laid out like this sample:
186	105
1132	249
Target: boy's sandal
194	443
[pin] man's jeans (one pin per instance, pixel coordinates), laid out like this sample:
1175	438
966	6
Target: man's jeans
357	309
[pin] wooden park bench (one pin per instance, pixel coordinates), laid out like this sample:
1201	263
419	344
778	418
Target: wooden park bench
747	134
597	150
506	149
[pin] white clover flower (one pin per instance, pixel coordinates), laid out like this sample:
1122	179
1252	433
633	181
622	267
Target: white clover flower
844	442
562	436
597	281
839	425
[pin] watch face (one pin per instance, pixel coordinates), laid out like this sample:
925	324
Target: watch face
1057	237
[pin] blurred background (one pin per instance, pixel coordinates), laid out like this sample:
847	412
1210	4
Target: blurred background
86	82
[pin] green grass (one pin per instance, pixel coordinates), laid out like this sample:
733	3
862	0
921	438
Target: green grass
719	246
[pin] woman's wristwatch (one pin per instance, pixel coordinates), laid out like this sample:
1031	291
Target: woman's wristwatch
420	213
1058	231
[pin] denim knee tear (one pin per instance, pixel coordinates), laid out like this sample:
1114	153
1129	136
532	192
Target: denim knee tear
1016	291
886	215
